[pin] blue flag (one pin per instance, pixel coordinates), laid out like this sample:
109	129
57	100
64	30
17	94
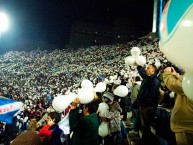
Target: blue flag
8	108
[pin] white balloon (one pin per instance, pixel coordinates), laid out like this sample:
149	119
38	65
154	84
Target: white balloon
173	32
126	75
72	97
103	108
172	95
58	104
111	78
115	77
135	51
121	91
103	129
117	82
157	64
87	84
111	81
100	87
141	60
130	60
85	95
61	102
106	81
187	85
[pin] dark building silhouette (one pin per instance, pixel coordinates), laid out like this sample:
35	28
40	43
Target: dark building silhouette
86	34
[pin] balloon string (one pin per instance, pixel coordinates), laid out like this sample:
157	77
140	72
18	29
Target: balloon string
103	141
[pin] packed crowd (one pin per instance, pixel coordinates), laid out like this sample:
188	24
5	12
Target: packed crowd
36	77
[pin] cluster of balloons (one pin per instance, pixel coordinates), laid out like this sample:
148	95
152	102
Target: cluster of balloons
85	95
176	38
135	58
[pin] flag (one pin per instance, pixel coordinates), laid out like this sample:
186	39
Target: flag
8	108
64	124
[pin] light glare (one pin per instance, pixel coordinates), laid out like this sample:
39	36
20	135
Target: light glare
187	23
3	22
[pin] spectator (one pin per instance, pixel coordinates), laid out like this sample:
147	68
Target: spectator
135	89
84	128
51	130
42	121
113	118
27	138
135	111
147	99
181	117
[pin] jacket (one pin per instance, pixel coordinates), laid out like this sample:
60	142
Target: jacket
45	131
181	116
27	138
134	91
56	136
149	90
52	133
85	129
113	117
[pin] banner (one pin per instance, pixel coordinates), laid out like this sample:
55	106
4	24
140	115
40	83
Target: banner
8	108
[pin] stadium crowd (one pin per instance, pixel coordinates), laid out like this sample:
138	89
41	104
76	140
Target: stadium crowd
36	77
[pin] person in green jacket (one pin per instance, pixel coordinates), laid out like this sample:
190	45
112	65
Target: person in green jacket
84	127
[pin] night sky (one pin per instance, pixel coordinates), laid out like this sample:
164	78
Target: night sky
51	20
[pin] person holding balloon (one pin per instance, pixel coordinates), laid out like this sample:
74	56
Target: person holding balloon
84	125
112	117
147	100
181	121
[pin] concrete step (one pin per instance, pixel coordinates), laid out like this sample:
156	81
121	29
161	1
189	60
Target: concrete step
134	139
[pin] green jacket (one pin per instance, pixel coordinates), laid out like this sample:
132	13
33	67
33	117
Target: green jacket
85	129
135	91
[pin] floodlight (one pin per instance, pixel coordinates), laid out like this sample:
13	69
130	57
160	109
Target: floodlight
4	22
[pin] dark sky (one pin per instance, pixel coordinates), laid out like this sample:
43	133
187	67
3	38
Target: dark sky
51	20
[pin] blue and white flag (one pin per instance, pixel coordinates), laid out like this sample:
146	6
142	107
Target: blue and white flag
8	108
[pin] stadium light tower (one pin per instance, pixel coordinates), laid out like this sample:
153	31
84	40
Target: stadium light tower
155	16
4	23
